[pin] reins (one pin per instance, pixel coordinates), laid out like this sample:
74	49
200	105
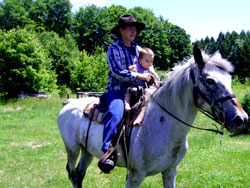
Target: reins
189	125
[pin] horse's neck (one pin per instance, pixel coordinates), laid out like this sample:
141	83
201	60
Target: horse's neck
178	102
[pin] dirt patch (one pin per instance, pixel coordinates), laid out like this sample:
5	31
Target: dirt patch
32	144
35	145
10	109
241	143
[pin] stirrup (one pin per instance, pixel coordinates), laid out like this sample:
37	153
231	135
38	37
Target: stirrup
108	160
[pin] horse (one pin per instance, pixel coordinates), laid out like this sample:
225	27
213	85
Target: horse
157	146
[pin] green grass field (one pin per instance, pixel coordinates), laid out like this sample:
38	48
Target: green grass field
32	153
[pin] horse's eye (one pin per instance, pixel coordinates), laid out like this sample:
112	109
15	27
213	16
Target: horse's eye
210	81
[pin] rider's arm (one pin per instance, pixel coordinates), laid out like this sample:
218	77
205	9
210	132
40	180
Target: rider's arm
117	64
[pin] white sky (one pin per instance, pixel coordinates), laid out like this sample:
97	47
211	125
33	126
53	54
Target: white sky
198	17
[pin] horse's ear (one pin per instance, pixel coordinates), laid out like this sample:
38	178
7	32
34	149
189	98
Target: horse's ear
197	55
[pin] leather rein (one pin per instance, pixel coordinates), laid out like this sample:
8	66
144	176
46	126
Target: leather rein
212	100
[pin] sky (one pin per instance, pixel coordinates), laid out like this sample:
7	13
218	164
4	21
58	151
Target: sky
198	18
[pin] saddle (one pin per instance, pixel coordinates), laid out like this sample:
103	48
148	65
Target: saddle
94	113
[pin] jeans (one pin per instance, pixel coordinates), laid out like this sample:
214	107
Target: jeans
113	117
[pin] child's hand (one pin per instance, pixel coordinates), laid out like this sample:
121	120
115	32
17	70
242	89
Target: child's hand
133	68
145	76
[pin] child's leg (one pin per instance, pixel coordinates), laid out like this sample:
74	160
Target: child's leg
141	114
127	100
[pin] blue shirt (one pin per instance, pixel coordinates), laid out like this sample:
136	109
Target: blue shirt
140	69
119	58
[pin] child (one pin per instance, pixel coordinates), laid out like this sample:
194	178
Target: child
145	65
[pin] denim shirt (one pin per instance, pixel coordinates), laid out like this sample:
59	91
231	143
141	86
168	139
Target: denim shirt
119	58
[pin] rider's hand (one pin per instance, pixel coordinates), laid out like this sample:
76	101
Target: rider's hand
145	76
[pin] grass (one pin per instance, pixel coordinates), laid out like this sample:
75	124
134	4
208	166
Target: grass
32	153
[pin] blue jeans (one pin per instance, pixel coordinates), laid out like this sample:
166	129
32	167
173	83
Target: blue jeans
113	117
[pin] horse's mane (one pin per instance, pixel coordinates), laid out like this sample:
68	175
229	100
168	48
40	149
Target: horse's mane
179	78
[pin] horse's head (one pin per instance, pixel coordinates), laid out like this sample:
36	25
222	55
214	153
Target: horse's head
213	91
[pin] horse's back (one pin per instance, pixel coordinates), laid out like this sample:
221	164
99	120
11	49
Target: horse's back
70	119
75	106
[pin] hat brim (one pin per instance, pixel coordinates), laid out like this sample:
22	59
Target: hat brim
116	30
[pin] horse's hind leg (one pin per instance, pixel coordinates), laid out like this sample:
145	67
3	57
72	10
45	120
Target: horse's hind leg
85	160
72	155
76	175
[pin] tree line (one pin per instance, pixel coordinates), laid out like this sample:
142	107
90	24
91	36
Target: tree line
46	46
234	47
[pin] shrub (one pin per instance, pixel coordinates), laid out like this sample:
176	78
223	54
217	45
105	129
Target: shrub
246	107
91	73
64	55
24	65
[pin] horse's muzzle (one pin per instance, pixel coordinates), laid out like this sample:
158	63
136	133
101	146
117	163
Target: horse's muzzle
238	124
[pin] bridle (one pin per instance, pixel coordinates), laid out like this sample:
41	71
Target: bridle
214	102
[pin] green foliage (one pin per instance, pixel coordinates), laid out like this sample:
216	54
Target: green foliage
91	73
58	17
23	64
246	107
13	14
209	45
64	55
113	14
37	13
91	28
246	103
234	47
179	42
63	90
236	81
240	56
44	15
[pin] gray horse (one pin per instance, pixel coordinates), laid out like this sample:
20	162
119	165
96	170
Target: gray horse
160	143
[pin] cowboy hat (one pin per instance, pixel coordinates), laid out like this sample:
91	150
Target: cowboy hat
127	20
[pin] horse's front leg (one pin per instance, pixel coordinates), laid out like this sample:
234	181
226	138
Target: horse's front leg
168	177
134	178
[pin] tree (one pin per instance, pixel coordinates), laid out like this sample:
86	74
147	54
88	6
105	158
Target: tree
91	28
13	14
64	55
208	45
91	73
113	14
23	64
224	44
240	57
58	18
38	14
179	43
